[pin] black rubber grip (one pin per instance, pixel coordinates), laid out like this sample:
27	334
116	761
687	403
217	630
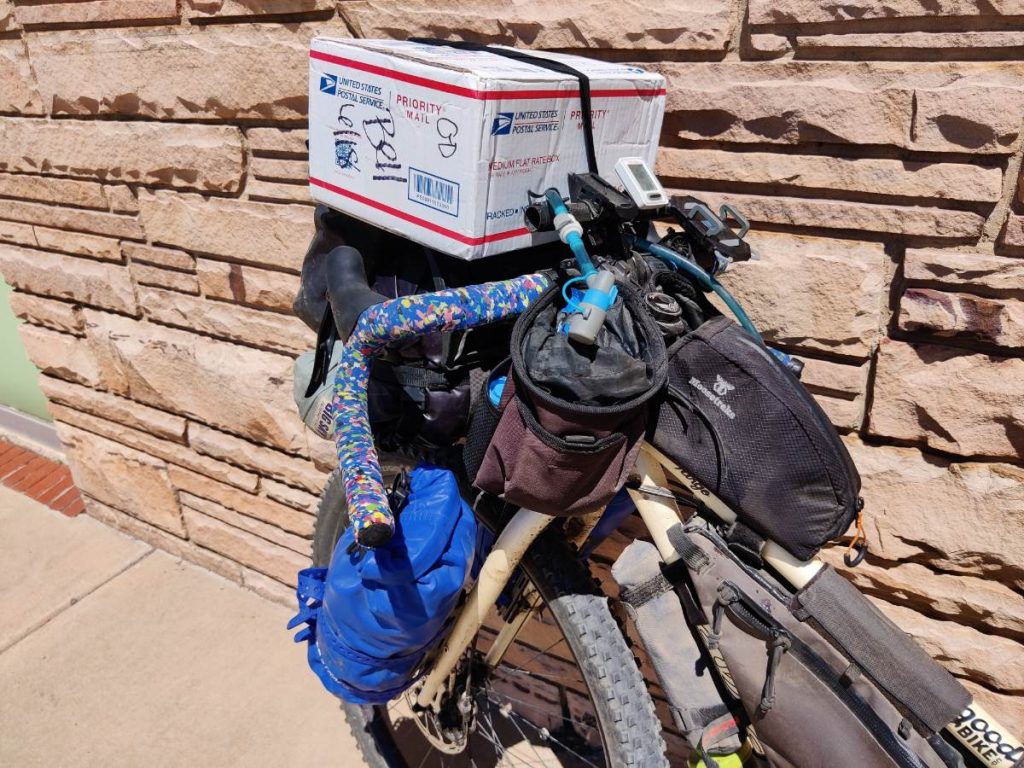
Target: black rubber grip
348	290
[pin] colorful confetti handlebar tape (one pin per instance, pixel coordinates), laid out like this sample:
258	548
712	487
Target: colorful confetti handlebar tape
450	310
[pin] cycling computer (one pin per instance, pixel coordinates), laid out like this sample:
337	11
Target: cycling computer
641	184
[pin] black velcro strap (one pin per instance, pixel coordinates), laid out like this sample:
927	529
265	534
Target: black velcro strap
539	61
415	376
745	543
325	338
678	574
645	591
694	557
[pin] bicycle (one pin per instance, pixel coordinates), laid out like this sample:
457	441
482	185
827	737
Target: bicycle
472	705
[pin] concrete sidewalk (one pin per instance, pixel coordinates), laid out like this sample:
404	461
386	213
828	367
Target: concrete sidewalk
115	654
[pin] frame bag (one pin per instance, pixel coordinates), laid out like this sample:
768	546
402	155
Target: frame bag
819	677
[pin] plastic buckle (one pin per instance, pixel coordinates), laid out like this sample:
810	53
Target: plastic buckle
400	491
728	212
709	224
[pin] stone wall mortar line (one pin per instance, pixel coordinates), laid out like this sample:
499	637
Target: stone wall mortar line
1011	178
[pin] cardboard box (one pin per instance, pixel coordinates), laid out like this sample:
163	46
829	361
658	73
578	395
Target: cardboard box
441	145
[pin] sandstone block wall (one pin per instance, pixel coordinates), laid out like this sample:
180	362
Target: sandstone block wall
153	218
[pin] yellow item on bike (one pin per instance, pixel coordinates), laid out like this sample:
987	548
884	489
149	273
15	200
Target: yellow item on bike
735	760
732	760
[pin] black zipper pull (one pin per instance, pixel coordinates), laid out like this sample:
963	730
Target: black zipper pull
779	645
726	596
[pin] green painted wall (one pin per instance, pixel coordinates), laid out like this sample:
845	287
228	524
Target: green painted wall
19	379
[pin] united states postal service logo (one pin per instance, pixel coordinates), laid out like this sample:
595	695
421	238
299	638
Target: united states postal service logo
502	125
329	84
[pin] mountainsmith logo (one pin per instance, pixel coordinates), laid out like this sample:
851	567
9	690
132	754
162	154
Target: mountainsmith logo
721	387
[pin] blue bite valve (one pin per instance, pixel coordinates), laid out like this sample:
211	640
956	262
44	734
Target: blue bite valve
586	322
588	316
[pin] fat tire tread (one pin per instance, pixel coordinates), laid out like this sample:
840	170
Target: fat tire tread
619	693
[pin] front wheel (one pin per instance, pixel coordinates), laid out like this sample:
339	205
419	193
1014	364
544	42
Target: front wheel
567	692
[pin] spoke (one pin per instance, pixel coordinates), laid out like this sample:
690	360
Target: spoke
545	748
494	743
540	675
549	737
545	710
564	746
495	740
518	670
499	749
526	738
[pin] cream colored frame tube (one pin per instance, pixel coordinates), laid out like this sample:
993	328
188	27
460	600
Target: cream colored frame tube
512	543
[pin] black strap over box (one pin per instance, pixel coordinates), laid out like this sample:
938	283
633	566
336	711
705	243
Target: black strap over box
538	61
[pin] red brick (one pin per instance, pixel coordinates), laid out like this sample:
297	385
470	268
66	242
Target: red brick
29	467
65	500
6	448
13	461
75	508
43	468
33	477
42	485
60	486
62	499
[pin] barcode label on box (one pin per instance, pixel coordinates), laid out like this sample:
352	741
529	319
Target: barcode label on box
434	192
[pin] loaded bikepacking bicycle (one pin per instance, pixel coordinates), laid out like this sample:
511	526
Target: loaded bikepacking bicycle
764	654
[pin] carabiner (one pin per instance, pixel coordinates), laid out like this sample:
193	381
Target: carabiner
858	548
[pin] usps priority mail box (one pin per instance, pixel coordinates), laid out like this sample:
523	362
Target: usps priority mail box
441	145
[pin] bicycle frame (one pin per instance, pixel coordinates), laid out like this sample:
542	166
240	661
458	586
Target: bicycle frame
977	730
372	520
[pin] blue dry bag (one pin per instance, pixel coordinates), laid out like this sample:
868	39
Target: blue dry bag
374	614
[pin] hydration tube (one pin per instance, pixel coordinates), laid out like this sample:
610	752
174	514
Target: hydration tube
587	316
569	231
667	254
